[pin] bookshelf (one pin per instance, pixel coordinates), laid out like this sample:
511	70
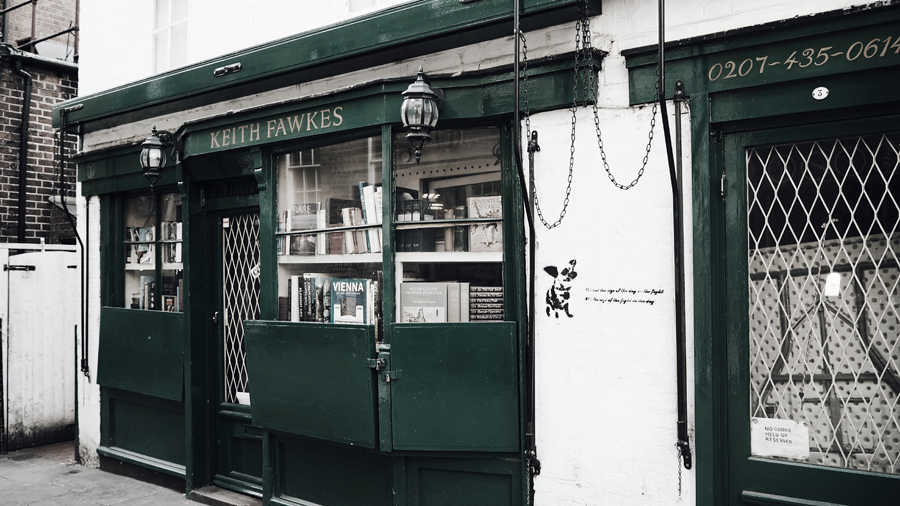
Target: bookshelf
444	216
448	229
153	252
328	234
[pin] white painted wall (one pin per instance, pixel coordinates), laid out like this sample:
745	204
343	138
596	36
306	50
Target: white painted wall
116	42
606	377
88	390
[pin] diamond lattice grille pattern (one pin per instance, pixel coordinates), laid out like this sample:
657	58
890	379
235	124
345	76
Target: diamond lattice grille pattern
241	286
829	358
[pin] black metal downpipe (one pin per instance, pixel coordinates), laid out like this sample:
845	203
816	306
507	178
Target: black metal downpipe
533	464
683	444
23	147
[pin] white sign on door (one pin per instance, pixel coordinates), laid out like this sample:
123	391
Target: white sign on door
770	437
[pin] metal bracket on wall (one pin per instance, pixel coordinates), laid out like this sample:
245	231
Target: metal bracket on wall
8	267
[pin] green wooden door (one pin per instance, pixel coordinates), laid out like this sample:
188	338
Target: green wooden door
238	442
812	231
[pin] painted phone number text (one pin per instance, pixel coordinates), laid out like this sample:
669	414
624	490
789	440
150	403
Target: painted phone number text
875	48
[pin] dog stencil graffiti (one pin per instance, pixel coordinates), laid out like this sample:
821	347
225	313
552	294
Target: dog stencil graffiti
559	293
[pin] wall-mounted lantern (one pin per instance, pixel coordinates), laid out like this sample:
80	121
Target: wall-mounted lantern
420	110
153	154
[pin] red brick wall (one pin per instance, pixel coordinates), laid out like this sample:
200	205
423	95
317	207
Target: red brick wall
44	178
51	16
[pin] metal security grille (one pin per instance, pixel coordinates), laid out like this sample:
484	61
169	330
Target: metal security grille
240	253
826	213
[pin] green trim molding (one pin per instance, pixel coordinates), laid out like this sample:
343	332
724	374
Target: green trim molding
402	32
205	143
838	42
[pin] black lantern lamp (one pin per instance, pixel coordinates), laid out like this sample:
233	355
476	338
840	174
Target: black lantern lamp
153	154
420	109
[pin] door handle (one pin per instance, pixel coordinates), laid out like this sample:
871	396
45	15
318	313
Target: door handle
215	318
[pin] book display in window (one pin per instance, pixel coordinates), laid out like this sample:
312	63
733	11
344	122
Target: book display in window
153	252
449	229
329	238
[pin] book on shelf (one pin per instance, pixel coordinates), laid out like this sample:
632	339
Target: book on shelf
145	247
350	238
351	300
321	239
453	302
361	239
302	216
370	215
148	287
304	244
486	303
485	236
169	304
423	302
464	298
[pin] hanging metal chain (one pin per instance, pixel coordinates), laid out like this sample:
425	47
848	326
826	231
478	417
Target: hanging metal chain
678	452
584	57
590	89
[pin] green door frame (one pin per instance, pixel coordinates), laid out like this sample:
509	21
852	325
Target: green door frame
720	338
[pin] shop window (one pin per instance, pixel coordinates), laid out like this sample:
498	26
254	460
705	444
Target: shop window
170	35
449	228
447	234
330	276
154	275
823	302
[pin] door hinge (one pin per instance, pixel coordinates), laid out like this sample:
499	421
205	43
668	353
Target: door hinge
392	375
8	267
722	186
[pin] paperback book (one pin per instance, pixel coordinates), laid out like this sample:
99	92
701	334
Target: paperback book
485	236
423	302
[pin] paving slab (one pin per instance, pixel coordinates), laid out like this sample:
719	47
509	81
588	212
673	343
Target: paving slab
49	476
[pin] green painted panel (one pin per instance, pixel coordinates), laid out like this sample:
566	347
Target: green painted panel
473	482
815	47
313	379
154	429
332	476
402	32
476	94
845	91
459	388
141	351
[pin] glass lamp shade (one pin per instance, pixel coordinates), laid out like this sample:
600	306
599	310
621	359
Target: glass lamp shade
419	112
153	158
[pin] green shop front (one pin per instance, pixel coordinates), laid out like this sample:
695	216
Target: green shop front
795	218
300	308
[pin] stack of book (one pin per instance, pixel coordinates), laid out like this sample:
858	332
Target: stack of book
334	212
141	252
422	302
314	297
171	231
416	239
485	303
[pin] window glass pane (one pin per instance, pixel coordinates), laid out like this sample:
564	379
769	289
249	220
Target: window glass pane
161	51
178	55
179	10
162	14
140	252
824	307
449	227
330	276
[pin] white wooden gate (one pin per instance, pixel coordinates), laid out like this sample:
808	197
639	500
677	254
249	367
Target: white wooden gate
39	311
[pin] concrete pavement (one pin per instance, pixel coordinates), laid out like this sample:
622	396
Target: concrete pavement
48	475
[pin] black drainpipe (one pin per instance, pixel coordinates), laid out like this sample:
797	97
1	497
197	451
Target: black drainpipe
23	147
683	444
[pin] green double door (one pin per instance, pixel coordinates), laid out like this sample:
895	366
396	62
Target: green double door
812	241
